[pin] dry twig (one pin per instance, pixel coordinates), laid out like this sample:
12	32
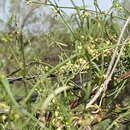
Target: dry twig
111	67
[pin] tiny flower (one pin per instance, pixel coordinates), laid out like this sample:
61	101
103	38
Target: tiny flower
86	14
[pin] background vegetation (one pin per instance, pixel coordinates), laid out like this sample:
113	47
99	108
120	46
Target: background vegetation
64	72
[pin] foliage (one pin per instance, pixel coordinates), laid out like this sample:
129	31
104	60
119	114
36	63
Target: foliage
49	79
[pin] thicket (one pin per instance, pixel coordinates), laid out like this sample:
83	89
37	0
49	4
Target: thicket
70	73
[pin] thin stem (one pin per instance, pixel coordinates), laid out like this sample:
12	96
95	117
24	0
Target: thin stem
80	8
50	72
23	60
120	117
109	72
52	95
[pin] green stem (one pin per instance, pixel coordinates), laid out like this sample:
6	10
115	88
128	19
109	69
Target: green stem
46	75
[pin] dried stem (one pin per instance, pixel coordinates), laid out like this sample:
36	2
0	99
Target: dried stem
111	68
